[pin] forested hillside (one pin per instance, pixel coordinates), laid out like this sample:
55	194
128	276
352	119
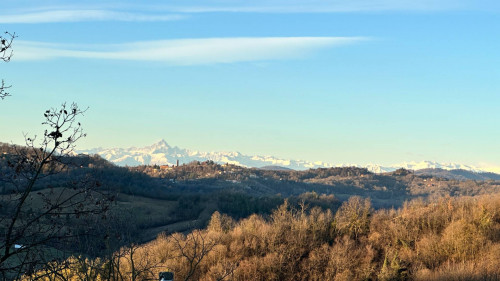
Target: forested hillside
272	224
447	239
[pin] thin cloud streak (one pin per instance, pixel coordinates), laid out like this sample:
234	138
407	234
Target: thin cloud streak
84	15
176	10
320	6
323	6
188	51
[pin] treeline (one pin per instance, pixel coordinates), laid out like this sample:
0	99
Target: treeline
389	189
386	190
210	169
444	239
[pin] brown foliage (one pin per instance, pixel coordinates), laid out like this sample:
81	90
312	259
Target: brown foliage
447	239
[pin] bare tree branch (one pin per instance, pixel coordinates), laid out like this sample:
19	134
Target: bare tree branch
193	248
6	46
36	218
6	54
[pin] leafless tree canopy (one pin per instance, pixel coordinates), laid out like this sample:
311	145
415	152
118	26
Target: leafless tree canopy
5	46
5	55
33	220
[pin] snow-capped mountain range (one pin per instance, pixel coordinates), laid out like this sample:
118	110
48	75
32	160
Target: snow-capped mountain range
163	154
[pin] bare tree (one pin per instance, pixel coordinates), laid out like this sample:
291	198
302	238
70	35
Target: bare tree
193	248
353	217
141	264
36	220
5	55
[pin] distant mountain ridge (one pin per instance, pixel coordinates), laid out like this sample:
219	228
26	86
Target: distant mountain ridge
458	174
161	153
275	168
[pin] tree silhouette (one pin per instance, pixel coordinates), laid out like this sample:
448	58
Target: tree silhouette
34	219
5	55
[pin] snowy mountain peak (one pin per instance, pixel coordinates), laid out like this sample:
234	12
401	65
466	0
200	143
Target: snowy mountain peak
156	148
161	144
435	165
163	154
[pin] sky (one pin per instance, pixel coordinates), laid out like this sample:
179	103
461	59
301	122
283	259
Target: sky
340	81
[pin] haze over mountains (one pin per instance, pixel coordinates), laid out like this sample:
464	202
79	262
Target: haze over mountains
163	154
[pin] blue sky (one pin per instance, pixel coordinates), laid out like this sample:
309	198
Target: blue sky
379	81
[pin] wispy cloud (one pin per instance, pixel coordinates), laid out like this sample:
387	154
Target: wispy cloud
84	15
188	51
155	10
319	6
